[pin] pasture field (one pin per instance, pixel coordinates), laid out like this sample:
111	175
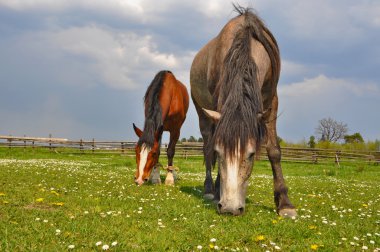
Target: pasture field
61	202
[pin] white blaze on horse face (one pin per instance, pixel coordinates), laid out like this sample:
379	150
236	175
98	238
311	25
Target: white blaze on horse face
143	159
234	171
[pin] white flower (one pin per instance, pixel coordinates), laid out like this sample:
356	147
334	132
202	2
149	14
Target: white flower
98	243
105	247
71	246
199	247
38	219
364	247
212	240
277	247
114	244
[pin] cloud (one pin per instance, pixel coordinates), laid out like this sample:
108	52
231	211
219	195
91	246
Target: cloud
322	86
120	60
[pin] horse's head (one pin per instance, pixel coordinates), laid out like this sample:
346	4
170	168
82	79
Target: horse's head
235	167
146	156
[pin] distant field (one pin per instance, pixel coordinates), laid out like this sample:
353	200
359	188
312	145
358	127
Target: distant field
60	202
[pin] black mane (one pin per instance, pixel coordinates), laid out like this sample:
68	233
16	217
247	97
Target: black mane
153	113
238	95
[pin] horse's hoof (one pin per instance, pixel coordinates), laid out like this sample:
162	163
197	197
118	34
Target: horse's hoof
169	179
156	181
288	213
208	196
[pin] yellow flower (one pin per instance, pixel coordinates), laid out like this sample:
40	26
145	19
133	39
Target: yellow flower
39	199
57	204
314	247
274	221
5	202
2	194
312	227
211	246
365	205
54	192
260	238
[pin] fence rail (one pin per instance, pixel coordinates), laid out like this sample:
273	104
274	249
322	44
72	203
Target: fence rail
184	150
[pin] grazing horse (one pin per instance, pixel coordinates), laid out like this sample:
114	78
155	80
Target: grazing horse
166	102
233	86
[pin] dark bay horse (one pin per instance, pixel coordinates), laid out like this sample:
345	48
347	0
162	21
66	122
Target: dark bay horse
166	102
233	86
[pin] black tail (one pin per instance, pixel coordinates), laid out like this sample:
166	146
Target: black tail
239	94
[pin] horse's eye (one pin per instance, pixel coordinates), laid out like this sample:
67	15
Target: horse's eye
251	155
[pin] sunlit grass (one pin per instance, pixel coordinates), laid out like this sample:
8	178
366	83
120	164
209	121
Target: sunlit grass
54	202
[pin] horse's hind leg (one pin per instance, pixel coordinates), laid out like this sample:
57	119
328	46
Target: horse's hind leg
283	205
170	153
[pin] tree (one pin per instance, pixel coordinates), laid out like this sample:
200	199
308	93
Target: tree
192	139
331	130
354	138
183	139
200	140
311	142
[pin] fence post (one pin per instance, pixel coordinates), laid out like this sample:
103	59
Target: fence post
93	145
122	147
315	157
81	145
50	146
9	142
337	158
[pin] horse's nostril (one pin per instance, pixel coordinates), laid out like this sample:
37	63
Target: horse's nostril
241	210
220	206
146	180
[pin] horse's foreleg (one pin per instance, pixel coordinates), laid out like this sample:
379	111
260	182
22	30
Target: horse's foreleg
283	205
170	153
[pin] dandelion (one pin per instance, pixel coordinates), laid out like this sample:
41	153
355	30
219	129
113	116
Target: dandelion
211	246
39	200
57	204
71	246
259	238
314	247
113	244
2	194
105	247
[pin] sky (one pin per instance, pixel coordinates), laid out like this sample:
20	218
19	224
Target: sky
80	68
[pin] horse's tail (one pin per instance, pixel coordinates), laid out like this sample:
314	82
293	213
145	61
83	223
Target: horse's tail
239	92
153	112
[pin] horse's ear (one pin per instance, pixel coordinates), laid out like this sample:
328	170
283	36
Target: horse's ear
158	133
214	115
137	131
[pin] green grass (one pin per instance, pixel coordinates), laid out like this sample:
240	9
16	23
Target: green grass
85	199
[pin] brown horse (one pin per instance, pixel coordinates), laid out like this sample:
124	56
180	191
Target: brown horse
233	86
166	102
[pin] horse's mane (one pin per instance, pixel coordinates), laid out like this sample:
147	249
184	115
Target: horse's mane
153	113
238	94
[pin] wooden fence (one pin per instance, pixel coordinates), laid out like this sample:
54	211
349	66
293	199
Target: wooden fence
184	150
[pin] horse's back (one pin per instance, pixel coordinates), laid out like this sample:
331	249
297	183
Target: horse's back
174	100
